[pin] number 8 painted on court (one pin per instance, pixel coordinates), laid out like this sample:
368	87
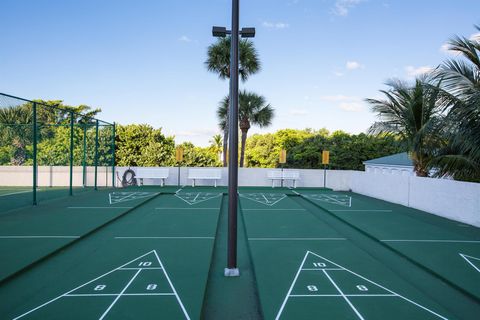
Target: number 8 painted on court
152	286
100	287
312	288
362	288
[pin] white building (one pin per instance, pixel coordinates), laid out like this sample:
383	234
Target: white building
397	164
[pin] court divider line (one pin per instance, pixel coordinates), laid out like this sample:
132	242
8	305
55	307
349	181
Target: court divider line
398	252
74	241
39	237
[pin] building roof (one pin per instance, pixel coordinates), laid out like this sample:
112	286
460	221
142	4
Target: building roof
399	159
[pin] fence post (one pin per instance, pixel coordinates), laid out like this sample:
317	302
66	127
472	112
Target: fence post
71	153
96	152
84	161
34	111
113	156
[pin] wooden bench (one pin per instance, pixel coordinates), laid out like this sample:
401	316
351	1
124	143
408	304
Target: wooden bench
283	175
204	174
151	173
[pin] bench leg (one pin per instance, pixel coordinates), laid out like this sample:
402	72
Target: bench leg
215	183
141	181
273	183
294	184
162	182
193	183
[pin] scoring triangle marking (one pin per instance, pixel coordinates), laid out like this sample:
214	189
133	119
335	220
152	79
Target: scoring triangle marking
153	256
470	262
324	271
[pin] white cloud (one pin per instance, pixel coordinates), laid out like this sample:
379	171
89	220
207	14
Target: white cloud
275	25
339	98
298	112
184	39
342	7
351	106
338	74
352	65
413	72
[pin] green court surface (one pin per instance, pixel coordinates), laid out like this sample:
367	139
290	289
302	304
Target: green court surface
12	198
153	253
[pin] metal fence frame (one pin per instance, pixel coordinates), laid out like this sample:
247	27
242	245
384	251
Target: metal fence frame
71	158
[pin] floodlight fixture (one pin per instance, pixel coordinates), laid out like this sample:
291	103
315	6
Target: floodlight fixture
220	32
247	32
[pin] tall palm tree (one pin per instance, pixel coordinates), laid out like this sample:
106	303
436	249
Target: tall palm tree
218	61
216	144
460	78
415	115
253	110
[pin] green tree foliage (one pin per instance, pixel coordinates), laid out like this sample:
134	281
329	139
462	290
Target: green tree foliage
304	148
218	61
199	157
143	146
252	110
414	113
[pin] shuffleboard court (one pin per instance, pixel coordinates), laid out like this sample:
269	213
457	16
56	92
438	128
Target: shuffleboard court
12	198
29	234
304	277
434	242
149	264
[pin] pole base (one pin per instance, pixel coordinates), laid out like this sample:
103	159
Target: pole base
231	272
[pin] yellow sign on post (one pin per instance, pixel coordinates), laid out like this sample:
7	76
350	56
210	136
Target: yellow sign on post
179	154
283	156
325	157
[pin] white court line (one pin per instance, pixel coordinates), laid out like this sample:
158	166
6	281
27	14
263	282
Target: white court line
274	209
426	240
376	284
188	208
291	287
143	268
338	295
9	194
80	286
320	269
116	294
207	238
466	258
344	296
121	293
352	210
172	287
293	239
39	237
99	207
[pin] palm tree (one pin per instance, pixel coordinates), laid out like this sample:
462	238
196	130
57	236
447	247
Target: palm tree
218	61
216	144
414	114
460	79
253	110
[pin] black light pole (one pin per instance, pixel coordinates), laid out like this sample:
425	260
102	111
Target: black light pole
232	270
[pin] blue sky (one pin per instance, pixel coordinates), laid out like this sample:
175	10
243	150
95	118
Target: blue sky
142	61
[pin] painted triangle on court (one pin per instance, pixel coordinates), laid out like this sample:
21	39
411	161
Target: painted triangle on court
117	197
268	199
341	200
142	276
472	261
193	198
320	278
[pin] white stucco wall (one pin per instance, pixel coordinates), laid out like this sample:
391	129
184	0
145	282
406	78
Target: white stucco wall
455	200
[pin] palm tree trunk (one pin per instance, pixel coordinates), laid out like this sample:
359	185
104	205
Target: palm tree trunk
242	151
225	145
